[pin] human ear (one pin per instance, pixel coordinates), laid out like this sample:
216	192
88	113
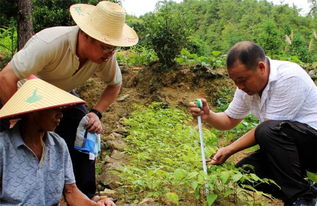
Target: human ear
262	66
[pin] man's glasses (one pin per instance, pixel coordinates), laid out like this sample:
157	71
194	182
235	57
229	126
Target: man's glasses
109	49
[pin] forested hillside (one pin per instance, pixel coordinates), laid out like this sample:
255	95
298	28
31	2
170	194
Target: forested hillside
215	25
204	28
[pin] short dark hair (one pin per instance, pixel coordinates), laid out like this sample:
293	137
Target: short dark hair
248	53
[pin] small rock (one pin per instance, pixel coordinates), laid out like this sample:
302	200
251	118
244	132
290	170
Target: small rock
117	155
109	179
122	98
147	200
113	166
122	130
117	144
312	72
110	137
109	159
117	135
108	193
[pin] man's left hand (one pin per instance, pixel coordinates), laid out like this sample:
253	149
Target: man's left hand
220	157
94	123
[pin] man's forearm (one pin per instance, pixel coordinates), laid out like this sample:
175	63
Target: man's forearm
8	83
108	96
245	141
74	196
221	121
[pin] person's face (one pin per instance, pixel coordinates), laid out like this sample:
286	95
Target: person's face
48	120
251	81
99	52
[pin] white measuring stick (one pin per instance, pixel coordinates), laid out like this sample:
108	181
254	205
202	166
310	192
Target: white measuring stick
201	137
202	147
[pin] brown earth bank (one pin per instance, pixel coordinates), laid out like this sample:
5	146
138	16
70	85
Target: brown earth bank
143	85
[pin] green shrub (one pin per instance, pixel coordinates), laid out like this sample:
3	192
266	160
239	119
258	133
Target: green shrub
137	57
8	41
167	32
215	60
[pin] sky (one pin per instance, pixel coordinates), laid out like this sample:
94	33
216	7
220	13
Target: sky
140	7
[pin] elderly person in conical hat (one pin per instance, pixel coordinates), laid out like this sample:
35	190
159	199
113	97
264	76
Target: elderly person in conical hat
67	56
35	165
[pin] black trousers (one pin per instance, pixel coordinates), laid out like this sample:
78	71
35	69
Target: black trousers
287	150
84	169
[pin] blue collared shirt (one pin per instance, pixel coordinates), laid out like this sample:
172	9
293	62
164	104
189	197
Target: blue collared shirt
24	180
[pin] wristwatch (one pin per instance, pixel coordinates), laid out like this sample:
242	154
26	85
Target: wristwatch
96	112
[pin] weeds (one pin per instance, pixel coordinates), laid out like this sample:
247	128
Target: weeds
165	163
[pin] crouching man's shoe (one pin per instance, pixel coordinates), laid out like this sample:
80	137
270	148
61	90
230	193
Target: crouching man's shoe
303	202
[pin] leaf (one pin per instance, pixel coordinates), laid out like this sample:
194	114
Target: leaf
211	198
228	192
194	185
180	174
224	176
173	197
312	176
237	177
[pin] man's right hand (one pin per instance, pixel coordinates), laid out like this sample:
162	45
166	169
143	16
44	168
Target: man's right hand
203	112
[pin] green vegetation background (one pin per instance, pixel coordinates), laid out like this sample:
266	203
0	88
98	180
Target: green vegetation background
192	32
164	149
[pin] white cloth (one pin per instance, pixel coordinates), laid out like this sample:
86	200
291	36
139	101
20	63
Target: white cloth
87	142
51	55
289	95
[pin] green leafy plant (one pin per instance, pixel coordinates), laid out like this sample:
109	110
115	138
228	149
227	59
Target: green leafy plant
137	57
312	177
165	161
167	33
215	60
8	39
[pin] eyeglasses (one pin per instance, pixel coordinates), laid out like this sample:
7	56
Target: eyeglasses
107	48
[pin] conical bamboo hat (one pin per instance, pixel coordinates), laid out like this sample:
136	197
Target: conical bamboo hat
35	95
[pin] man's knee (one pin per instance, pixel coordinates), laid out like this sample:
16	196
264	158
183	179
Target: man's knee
267	131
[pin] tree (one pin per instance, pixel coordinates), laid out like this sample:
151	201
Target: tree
167	33
270	37
24	20
313	8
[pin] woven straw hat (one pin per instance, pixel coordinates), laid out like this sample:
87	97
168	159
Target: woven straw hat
36	95
104	22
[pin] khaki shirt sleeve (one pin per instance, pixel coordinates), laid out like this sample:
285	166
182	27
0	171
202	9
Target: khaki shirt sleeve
32	58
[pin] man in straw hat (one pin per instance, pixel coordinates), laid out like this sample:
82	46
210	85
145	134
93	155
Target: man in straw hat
66	57
35	165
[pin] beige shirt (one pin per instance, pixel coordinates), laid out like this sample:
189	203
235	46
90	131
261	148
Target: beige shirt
51	55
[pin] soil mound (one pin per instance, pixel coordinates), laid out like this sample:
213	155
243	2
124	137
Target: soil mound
143	85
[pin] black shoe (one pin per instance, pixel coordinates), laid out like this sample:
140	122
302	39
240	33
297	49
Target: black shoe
303	202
